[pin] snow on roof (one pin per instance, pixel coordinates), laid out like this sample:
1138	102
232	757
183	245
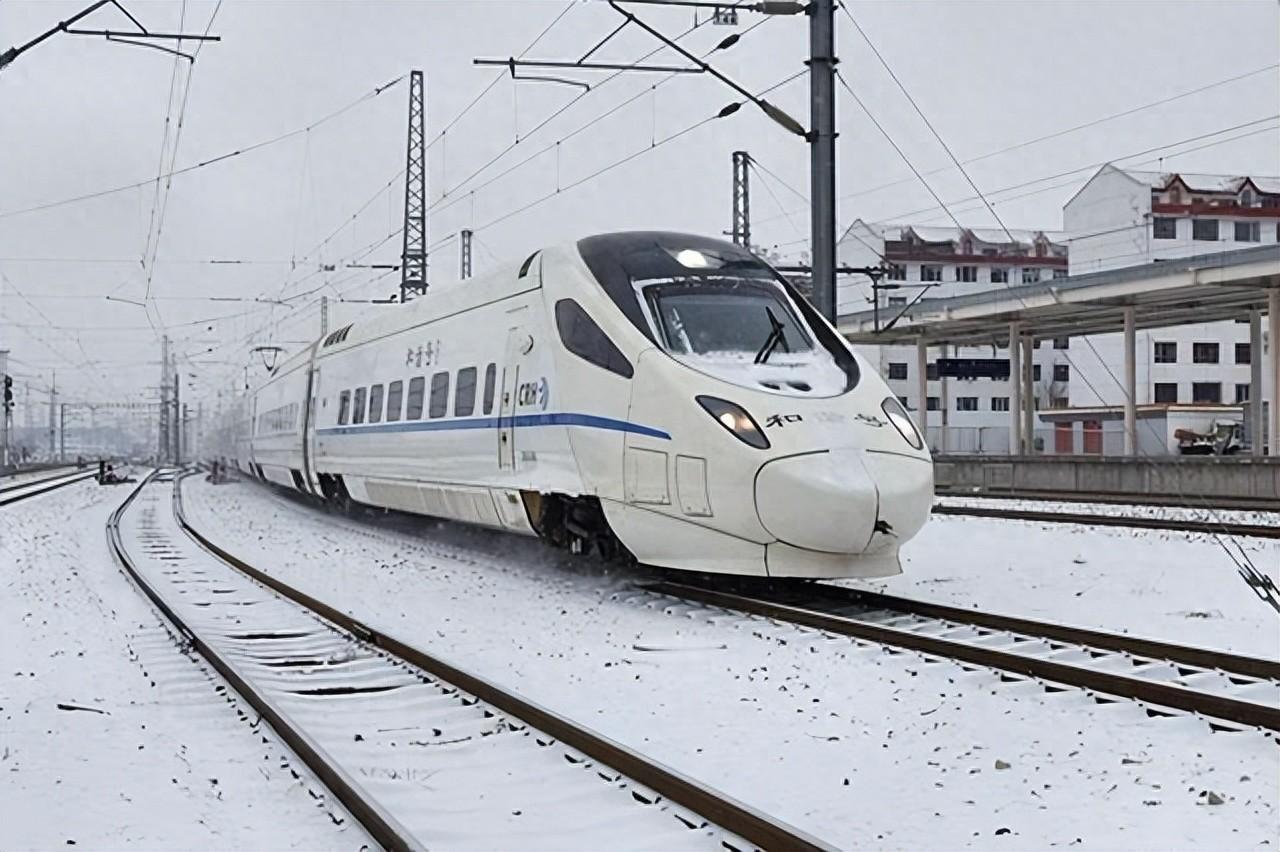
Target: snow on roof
1197	182
992	236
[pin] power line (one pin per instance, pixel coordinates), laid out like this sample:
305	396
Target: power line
213	160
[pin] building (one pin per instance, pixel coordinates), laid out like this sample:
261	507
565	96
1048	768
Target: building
925	262
1122	217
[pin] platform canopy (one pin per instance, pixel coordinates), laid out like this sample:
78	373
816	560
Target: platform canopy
1202	288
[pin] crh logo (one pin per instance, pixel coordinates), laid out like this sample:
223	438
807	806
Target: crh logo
534	393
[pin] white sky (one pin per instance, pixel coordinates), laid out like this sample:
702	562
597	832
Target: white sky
79	115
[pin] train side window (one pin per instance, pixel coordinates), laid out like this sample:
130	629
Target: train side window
375	404
581	336
344	407
439	402
464	400
357	407
490	379
395	393
414	409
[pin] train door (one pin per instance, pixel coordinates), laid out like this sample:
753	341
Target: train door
309	432
519	344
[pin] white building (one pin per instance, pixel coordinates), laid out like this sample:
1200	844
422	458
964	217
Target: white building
1122	217
932	263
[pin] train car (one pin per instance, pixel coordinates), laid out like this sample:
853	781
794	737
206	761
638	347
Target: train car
662	393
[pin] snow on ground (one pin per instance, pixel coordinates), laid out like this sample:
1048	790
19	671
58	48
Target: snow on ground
858	745
1191	512
1159	584
110	736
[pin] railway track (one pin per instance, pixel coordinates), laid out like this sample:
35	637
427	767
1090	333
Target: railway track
421	752
12	492
1095	519
1127	498
1227	689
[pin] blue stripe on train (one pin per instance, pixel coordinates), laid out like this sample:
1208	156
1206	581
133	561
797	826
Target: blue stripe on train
520	420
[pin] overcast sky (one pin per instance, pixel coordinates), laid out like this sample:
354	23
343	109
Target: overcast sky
79	115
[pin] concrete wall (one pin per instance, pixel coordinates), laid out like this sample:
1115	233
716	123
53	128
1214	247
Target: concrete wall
1196	479
1107	222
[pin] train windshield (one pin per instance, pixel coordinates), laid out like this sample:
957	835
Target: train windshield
720	309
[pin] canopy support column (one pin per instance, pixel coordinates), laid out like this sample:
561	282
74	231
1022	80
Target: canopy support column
1015	390
1257	422
1130	383
1273	320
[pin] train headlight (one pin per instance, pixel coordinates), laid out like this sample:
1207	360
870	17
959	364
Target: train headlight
902	422
736	420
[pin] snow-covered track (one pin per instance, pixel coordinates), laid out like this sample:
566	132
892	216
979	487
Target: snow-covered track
1221	686
12	492
423	753
1093	519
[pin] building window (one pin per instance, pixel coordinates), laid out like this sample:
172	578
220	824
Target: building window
490	374
1035	372
897	301
966	403
1062	343
903	400
1062	372
395	397
1059	273
930	272
1248	232
1166	352
897	272
413	410
1247	198
999	403
1242	392
1204	353
999	276
464	399
968	274
933	403
1206	392
375	404
1204	229
1030	275
1164	228
438	402
1242	353
1059	402
1167	392
357	406
931	371
897	370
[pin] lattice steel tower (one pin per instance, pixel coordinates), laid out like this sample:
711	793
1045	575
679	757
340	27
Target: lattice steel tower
413	259
741	199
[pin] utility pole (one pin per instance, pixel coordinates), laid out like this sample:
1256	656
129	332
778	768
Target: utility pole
53	413
177	419
413	258
62	432
822	153
162	448
324	315
6	403
465	253
741	200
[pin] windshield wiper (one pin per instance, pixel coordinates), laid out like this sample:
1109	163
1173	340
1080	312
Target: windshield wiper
777	334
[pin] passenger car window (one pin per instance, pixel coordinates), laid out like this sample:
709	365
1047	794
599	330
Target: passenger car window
357	412
490	377
414	409
375	403
439	403
581	336
464	400
395	391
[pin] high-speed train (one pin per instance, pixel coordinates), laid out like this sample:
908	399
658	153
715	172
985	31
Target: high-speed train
666	394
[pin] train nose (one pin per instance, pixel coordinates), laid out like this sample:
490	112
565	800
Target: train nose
821	501
844	501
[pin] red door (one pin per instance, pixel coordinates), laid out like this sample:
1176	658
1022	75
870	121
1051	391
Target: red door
1092	437
1064	438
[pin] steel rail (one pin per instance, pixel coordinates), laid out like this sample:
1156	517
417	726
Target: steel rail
1200	657
381	826
1151	692
1128	498
50	484
1192	526
729	814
